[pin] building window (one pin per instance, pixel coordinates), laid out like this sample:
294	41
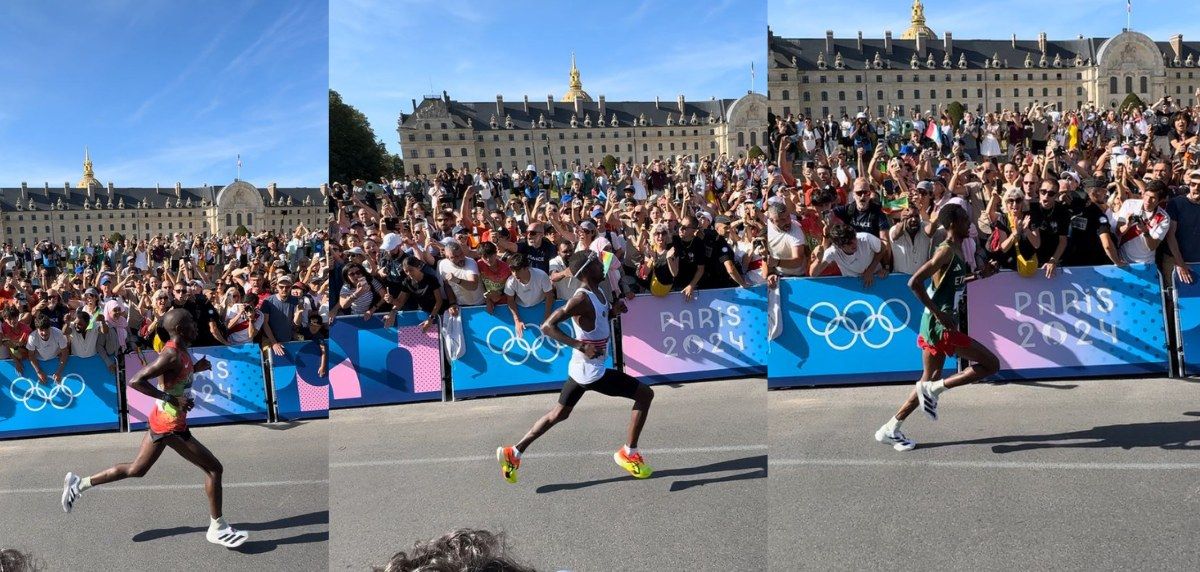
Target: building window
1144	84
824	96
783	77
899	94
879	94
807	96
858	95
1129	84
841	96
916	94
786	95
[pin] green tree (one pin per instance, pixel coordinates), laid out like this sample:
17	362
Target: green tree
956	111
1131	100
755	152
396	165
354	151
241	230
116	237
610	164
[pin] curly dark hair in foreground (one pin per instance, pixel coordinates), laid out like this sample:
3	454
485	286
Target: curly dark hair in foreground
465	550
16	561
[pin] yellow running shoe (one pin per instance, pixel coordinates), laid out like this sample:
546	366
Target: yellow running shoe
635	464
509	463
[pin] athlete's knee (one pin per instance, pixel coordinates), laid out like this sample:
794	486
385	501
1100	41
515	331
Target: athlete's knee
137	471
216	470
558	414
990	364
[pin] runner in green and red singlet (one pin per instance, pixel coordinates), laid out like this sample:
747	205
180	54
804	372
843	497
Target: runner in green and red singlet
940	336
168	427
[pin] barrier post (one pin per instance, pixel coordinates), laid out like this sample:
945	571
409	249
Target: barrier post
1168	295
122	403
267	359
447	379
618	348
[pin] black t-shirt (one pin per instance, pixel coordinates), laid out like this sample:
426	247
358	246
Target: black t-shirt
1084	247
691	255
306	334
57	315
538	257
421	293
1185	217
872	221
1051	224
203	313
1008	259
715	273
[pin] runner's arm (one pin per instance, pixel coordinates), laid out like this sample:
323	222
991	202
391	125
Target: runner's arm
141	380
573	308
941	257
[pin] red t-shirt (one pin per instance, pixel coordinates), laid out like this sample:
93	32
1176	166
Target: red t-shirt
810	223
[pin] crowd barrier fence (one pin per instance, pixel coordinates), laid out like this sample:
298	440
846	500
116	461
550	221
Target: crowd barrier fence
88	399
370	364
1187	323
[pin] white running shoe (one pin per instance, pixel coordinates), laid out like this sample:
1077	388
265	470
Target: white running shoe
71	491
895	438
227	537
927	399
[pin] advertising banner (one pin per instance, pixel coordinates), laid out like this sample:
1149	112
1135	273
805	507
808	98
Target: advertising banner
1188	311
835	331
373	365
301	392
1086	321
498	362
720	334
233	390
85	400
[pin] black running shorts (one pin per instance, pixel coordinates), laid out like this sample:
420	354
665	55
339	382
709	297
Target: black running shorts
613	383
185	435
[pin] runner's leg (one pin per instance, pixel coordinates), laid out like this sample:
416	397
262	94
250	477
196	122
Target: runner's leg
983	364
641	408
147	455
199	455
932	366
558	414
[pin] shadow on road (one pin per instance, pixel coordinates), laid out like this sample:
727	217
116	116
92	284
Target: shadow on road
1170	435
254	546
758	463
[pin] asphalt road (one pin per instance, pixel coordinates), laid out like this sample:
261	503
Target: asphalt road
407	473
276	487
1064	475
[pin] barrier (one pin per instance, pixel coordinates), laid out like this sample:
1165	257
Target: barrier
87	399
1187	308
497	362
373	365
835	331
233	390
1102	320
720	334
300	392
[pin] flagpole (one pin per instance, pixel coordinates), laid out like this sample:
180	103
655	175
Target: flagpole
1128	14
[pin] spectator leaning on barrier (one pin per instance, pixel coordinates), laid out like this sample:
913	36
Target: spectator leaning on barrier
855	253
1184	234
527	287
281	315
1142	224
44	343
461	274
418	287
1091	241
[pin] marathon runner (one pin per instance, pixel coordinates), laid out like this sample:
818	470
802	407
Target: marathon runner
589	310
168	427
940	336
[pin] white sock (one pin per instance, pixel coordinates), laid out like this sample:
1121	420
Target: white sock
217	523
85	484
630	452
937	387
892	425
516	453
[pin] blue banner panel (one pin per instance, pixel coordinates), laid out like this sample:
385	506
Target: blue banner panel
1188	312
835	331
498	362
233	390
86	400
1086	321
301	392
719	334
373	365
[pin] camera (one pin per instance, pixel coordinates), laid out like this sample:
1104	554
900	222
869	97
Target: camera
1136	219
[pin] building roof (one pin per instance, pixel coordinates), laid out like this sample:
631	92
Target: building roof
133	196
478	115
977	52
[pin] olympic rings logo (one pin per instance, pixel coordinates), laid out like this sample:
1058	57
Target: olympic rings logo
34	396
528	349
876	318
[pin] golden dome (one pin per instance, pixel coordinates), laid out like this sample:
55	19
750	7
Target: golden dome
575	90
918	27
89	178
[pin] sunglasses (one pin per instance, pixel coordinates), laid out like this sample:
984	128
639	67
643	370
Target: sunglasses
686	227
1014	200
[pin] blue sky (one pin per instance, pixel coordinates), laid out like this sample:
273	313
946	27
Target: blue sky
164	91
1060	19
385	54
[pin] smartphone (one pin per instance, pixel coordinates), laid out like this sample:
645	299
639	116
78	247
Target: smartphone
971	165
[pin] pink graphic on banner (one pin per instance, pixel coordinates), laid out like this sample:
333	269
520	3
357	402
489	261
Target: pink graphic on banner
344	381
426	359
312	397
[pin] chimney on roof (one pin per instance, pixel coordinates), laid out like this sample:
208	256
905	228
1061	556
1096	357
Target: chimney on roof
948	44
66	190
445	96
829	42
111	194
47	190
178	189
681	107
860	41
1042	42
887	42
1177	45
24	192
499	106
91	193
272	192
921	46
578	106
602	106
550	104
656	102
1014	41
414	101
526	105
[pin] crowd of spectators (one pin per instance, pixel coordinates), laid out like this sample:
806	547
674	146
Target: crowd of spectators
1045	188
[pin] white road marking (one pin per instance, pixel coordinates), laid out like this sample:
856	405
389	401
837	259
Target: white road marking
552	455
944	464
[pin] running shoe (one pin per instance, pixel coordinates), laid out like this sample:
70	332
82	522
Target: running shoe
509	463
895	438
927	399
635	464
227	536
71	491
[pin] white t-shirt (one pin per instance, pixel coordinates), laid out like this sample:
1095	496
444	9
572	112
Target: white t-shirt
242	335
565	288
530	294
783	244
468	271
1133	243
857	263
83	344
48	348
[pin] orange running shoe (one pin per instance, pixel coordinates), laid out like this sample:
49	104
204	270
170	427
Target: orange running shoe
509	463
635	464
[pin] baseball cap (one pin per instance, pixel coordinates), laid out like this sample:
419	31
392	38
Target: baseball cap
722	219
908	150
587	225
925	186
285	279
940	170
705	214
356	250
597	212
390	242
860	115
106	279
